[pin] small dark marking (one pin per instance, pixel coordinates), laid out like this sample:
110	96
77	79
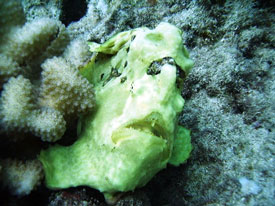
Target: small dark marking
155	67
133	38
123	79
115	73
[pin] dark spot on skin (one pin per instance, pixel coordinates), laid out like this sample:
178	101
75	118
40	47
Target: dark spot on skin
133	38
101	76
132	87
115	73
123	79
155	67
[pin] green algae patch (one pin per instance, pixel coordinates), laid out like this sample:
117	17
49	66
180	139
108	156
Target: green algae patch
132	134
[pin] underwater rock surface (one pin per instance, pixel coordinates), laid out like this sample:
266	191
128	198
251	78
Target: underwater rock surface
229	93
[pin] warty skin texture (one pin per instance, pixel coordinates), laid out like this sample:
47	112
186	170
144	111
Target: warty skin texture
130	135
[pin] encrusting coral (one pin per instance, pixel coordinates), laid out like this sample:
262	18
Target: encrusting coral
20	177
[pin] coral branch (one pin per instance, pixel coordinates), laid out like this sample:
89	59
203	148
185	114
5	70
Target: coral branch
64	89
21	177
18	111
16	103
